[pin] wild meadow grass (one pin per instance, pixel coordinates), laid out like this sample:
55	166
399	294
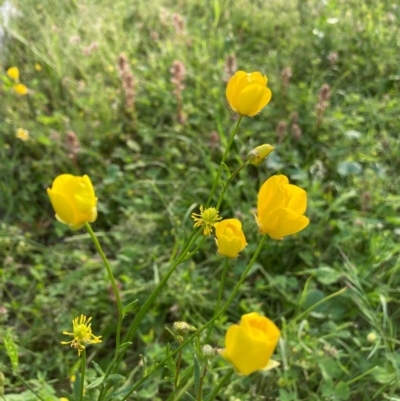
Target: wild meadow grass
133	95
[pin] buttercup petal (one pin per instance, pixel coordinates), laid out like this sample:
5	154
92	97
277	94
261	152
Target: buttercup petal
283	222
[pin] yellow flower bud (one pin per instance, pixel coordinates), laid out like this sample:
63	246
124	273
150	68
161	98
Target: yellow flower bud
21	89
249	345
22	134
247	93
281	207
230	238
73	200
13	73
258	154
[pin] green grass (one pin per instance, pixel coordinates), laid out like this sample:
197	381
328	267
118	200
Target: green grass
150	173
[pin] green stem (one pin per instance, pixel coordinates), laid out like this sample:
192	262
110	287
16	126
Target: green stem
200	390
83	371
220	292
178	368
311	308
218	387
208	324
224	156
361	376
113	284
221	196
28	386
143	310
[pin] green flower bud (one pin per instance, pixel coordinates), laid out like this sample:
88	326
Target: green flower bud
208	351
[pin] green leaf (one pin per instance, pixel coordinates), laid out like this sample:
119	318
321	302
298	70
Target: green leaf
342	391
129	307
95	383
349	168
11	349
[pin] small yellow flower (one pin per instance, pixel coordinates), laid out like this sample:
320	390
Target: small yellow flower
73	200
38	67
281	207
64	399
82	334
247	93
13	73
257	155
22	134
250	344
207	218
230	238
21	89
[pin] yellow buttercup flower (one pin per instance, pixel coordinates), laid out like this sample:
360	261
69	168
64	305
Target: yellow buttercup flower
82	334
13	73
73	200
281	207
22	134
247	93
21	89
230	238
207	218
250	344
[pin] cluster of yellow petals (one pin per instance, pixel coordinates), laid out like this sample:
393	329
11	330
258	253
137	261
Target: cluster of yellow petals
230	238
250	344
281	207
247	93
13	73
82	334
73	200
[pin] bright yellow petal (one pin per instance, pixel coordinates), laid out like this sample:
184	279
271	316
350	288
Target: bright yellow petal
84	197
229	247
246	353
13	73
259	78
283	222
248	101
271	195
21	89
62	206
297	199
260	326
232	85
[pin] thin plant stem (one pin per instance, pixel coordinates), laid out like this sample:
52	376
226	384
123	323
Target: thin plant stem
113	284
311	308
29	387
220	292
224	156
208	324
83	371
218	387
221	196
178	367
200	389
143	310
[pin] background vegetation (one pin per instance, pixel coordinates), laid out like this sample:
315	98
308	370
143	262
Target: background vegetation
333	68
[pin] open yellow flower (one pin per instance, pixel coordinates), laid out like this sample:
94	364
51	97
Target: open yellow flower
82	334
21	89
281	207
73	200
247	93
250	344
13	73
230	238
